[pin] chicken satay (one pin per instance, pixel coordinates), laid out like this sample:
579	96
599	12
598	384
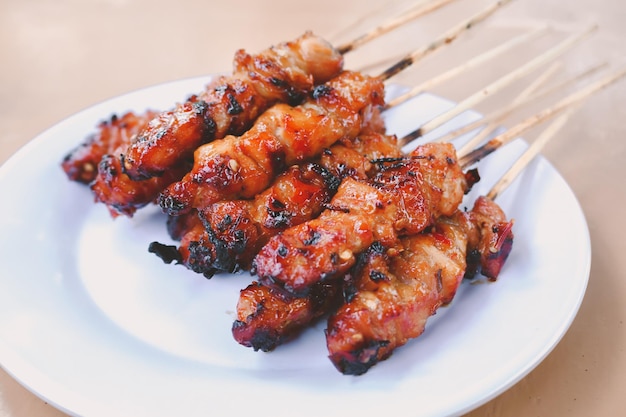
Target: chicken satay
404	198
178	226
496	239
241	167
283	73
231	231
120	194
235	230
391	298
261	327
268	317
81	164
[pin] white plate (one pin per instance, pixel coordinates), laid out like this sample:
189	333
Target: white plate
94	324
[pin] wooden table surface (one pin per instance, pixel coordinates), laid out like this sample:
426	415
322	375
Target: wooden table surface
59	57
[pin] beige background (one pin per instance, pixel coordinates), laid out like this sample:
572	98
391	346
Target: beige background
61	56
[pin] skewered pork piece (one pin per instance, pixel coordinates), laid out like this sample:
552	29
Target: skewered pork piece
228	233
268	317
391	298
404	198
123	196
160	145
81	163
235	230
241	167
260	326
458	246
283	73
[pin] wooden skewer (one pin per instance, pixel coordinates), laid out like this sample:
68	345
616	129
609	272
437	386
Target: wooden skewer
503	113
499	84
467	66
493	124
564	104
530	153
445	39
420	10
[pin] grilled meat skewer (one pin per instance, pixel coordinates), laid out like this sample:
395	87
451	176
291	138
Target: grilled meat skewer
229	105
112	135
458	246
391	298
260	326
241	167
405	197
235	230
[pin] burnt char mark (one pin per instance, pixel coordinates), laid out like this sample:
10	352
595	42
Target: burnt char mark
363	258
279	217
234	107
282	251
107	168
377	276
225	255
362	261
264	340
294	97
139	176
321	91
201	259
473	264
171	205
224	223
330	181
209	127
314	237
389	164
360	360
471	178
167	253
325	295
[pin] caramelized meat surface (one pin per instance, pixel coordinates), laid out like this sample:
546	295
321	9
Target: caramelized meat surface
241	167
283	73
81	164
390	299
404	198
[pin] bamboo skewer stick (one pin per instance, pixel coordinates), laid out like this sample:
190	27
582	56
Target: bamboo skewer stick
467	66
564	104
420	10
499	84
445	39
503	113
530	153
525	94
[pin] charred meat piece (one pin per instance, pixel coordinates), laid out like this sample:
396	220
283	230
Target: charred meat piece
229	105
237	229
390	299
267	317
81	164
241	167
406	196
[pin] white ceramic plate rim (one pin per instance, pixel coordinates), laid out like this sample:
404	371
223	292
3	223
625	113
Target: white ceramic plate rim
72	345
